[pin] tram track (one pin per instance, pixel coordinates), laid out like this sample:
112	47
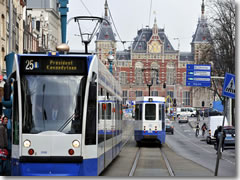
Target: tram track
170	170
163	158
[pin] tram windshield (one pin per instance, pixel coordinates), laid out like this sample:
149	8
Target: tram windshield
52	103
150	112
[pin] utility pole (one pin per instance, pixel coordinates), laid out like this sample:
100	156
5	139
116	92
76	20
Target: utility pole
63	11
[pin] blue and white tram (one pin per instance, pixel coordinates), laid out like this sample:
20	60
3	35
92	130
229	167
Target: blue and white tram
150	119
66	115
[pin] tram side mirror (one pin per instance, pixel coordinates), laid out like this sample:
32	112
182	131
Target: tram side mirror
7	91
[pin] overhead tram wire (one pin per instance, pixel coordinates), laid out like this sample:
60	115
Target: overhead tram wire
86	7
123	42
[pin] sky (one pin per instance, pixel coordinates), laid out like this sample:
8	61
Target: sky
179	18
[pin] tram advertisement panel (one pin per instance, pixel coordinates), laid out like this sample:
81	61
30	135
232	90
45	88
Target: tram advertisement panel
53	65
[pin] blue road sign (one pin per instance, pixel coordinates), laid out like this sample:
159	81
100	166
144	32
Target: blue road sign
229	86
198	75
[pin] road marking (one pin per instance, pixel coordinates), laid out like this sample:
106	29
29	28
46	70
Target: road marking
188	139
229	161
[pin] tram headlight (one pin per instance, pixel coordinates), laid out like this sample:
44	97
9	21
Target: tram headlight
27	143
75	143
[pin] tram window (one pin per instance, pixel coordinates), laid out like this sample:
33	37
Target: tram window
91	115
150	112
160	112
108	111
138	112
163	116
15	115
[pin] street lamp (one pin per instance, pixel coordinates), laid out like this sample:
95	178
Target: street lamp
149	88
110	60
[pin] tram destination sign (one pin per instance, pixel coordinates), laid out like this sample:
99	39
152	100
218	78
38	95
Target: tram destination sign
53	65
198	75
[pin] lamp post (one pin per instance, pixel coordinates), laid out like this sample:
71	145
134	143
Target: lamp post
149	88
110	60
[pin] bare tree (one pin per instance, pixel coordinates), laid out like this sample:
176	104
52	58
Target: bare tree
221	23
221	52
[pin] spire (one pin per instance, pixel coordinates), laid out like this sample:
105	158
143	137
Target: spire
106	8
203	7
155	28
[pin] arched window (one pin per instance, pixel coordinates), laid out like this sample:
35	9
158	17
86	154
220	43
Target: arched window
138	73
171	73
155	73
2	25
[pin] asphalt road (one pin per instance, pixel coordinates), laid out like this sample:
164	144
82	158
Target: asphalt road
187	154
184	143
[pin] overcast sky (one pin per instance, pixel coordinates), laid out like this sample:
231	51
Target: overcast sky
179	18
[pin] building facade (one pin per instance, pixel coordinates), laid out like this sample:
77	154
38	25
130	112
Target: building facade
3	34
152	66
43	26
105	41
200	42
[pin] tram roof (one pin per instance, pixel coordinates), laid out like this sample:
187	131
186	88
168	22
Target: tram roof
146	99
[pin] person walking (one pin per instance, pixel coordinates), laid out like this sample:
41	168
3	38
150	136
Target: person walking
217	135
3	145
197	130
204	128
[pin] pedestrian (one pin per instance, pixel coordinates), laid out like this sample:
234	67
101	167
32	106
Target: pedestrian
198	115
3	144
204	128
217	135
197	130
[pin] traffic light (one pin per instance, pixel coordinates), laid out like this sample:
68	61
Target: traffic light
174	102
164	85
202	103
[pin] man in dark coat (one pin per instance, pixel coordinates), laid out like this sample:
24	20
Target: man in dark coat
3	143
217	135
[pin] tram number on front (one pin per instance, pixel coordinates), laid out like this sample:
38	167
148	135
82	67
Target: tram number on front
30	65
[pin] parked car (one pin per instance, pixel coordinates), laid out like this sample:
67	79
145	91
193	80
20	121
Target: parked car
187	111
212	112
229	140
230	136
182	118
169	126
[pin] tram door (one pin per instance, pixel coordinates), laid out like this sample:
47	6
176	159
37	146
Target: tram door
108	142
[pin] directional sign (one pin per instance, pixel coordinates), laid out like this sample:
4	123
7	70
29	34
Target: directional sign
229	86
198	75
